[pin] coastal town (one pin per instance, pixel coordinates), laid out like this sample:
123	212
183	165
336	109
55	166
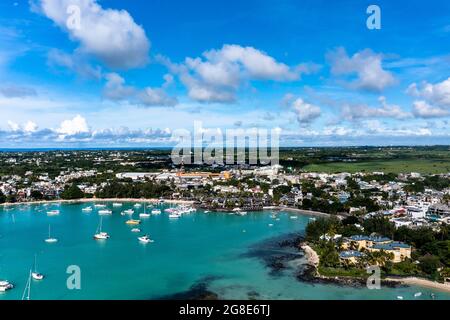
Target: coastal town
398	221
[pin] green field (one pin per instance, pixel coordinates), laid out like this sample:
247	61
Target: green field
387	166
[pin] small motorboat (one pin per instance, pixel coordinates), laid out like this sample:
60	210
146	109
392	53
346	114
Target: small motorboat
138	205
133	222
101	236
136	230
399	297
87	209
417	294
53	212
144	215
174	216
293	217
129	211
117	205
207	211
145	239
99	206
5	285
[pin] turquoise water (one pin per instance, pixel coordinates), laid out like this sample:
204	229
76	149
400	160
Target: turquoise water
186	251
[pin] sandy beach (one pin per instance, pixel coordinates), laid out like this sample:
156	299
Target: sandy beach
413	281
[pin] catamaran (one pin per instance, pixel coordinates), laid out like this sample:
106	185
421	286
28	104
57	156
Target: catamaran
104	212
35	274
101	235
50	239
156	211
129	211
145	239
5	285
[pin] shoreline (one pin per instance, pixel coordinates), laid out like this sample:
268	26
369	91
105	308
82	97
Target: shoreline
87	200
313	260
420	282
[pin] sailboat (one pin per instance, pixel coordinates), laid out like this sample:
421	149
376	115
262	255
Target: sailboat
101	235
50	239
145	214
26	292
35	274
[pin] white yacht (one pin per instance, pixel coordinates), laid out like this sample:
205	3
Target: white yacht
5	285
145	239
50	239
35	274
136	230
137	205
99	206
293	217
104	212
101	235
87	209
53	212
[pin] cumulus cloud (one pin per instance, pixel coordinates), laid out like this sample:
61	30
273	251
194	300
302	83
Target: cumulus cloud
73	126
217	75
116	89
77	131
110	35
362	111
421	109
437	94
13	91
365	67
304	111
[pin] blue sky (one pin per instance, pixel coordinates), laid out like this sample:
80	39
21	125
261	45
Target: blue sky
129	73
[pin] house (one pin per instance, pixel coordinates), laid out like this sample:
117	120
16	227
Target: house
350	256
400	250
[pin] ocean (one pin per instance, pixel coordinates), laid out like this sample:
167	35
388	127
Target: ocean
200	254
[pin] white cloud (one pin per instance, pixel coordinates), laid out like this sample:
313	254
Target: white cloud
74	126
421	109
13	125
305	112
365	65
110	35
361	111
30	126
116	89
436	94
218	74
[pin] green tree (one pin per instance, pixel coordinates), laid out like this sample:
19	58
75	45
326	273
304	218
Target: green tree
2	197
72	192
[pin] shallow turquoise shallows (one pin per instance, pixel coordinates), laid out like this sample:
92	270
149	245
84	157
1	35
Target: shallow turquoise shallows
186	251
